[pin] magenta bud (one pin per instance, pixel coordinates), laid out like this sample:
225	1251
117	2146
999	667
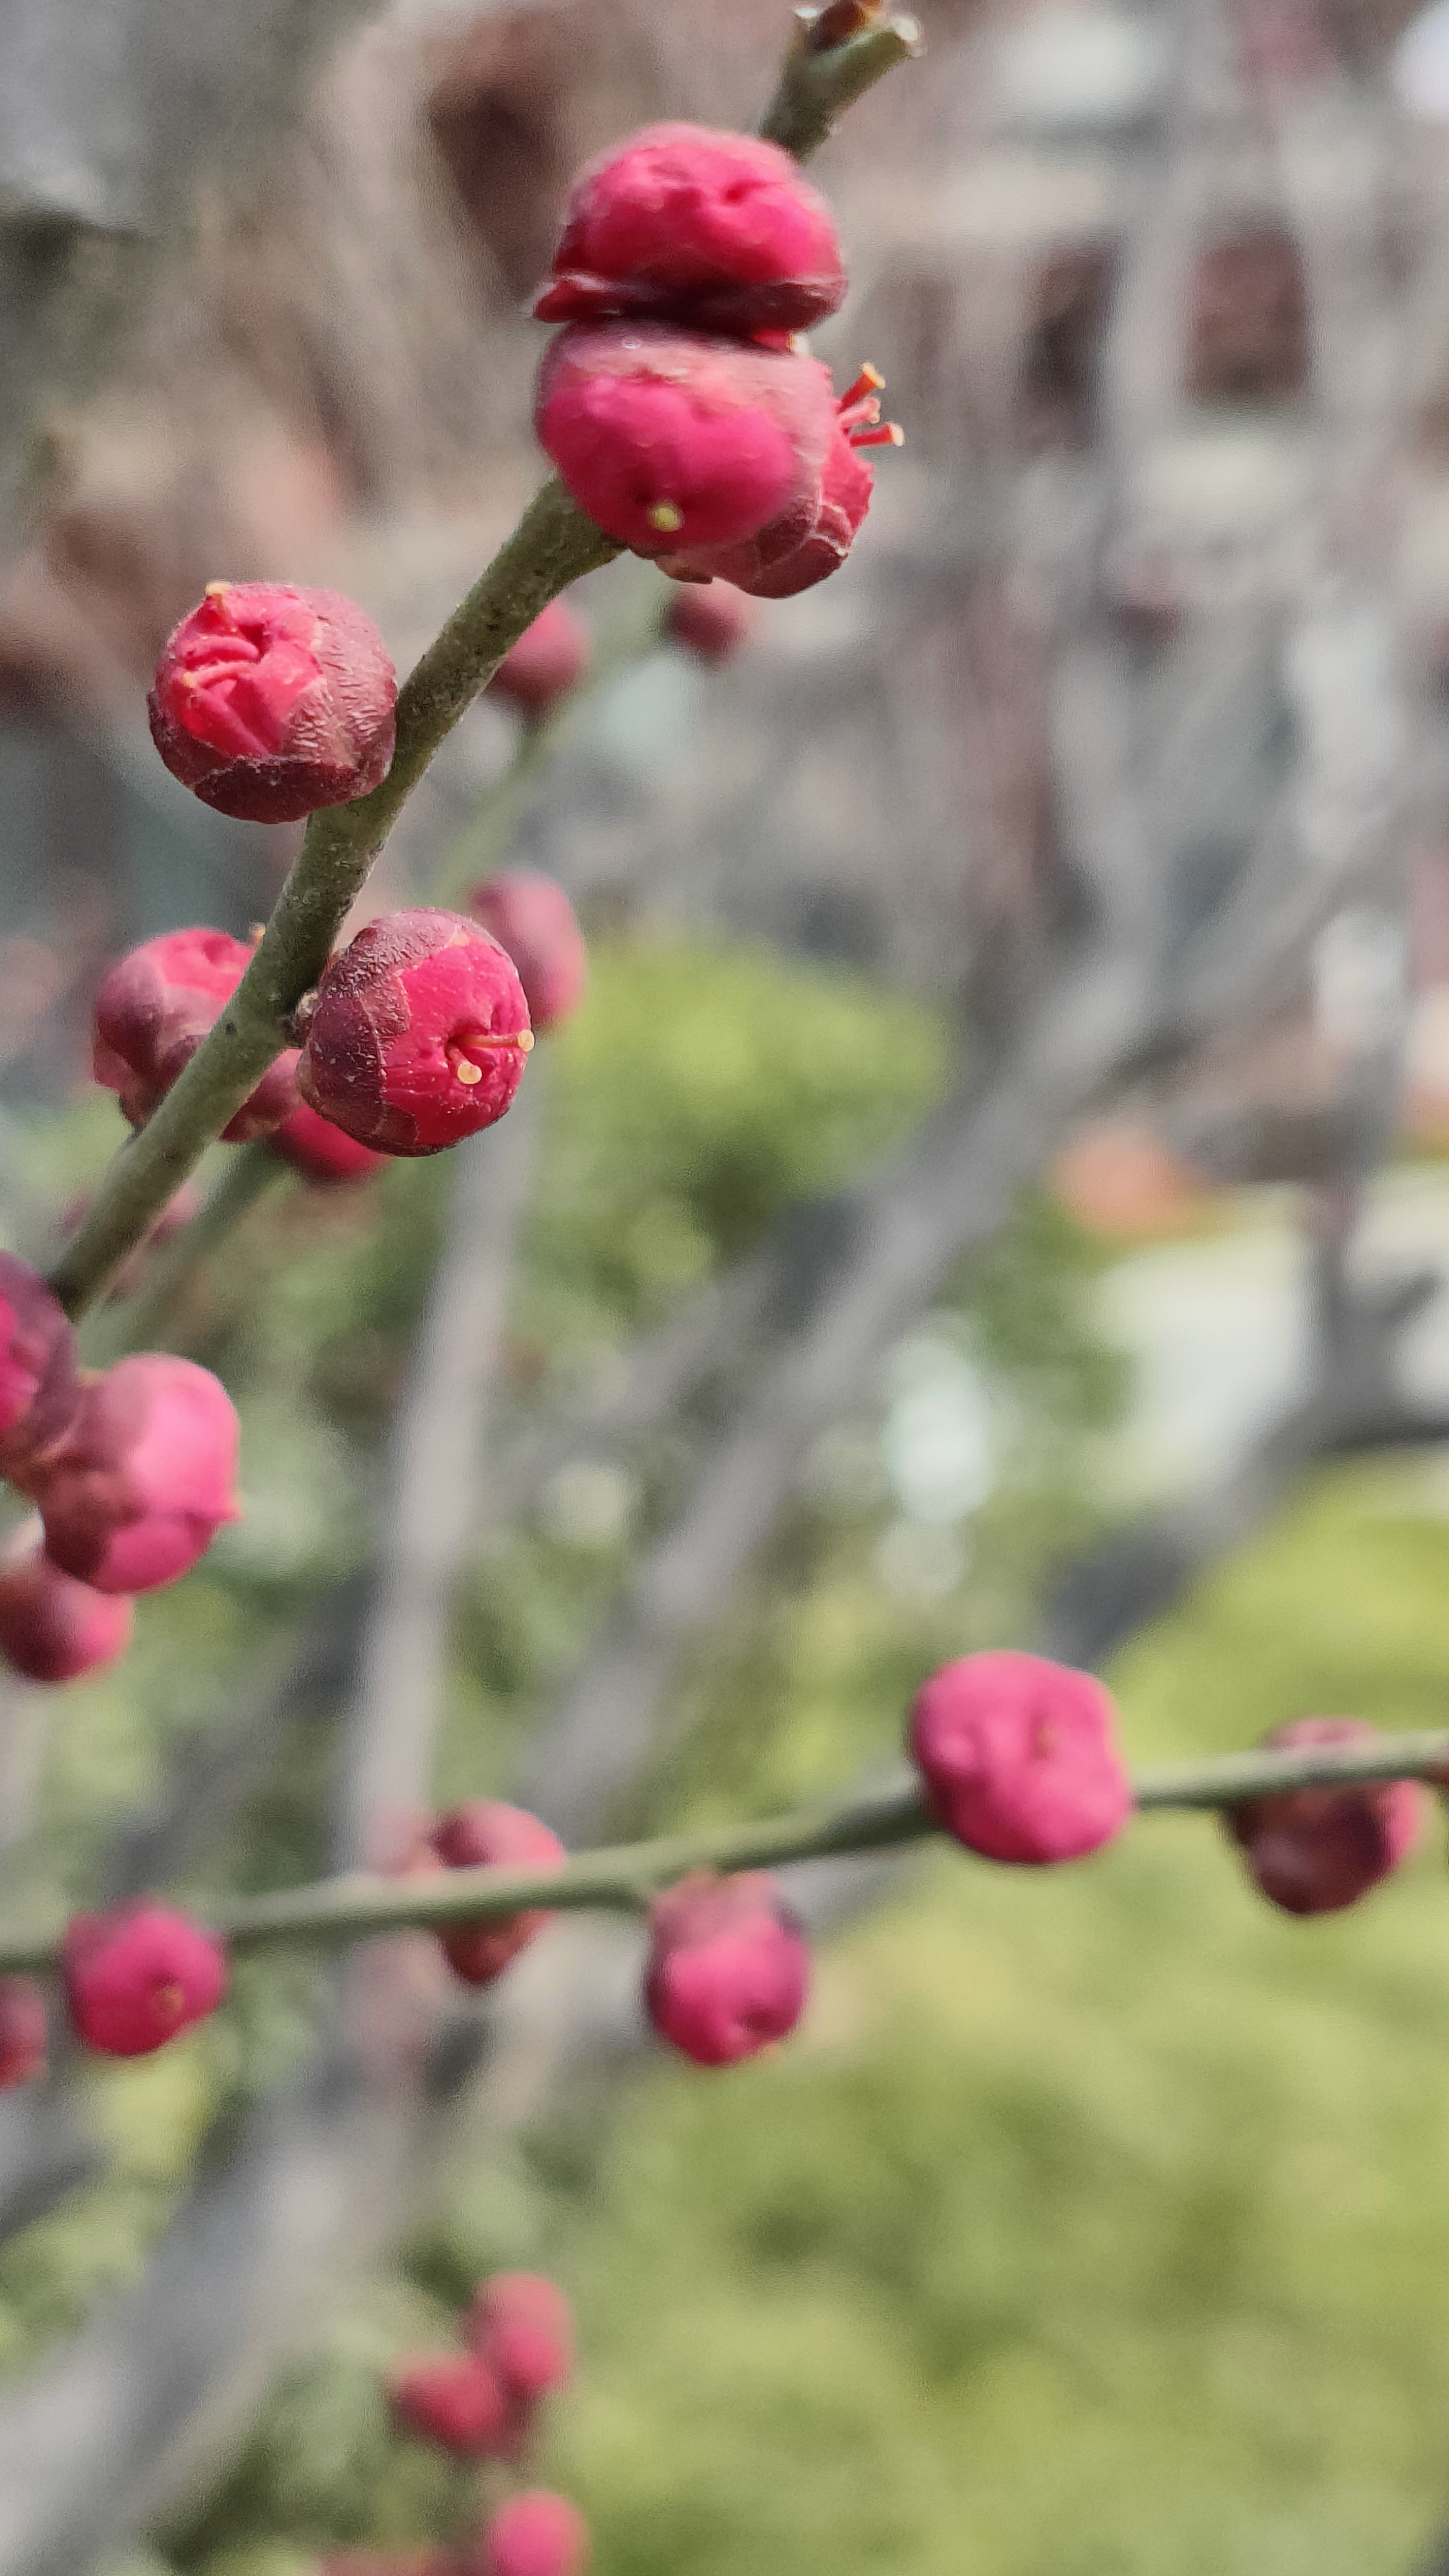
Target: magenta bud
22	2031
485	1834
52	1628
682	223
456	2401
710	619
144	1477
1020	1757
152	1011
534	2534
729	1967
419	1034
671	442
269	702
532	917
811	538
38	1386
135	1978
522	2326
550	658
321	1152
1313	1850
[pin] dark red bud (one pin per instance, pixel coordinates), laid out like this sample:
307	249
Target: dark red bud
269	702
532	917
1311	1851
729	1968
418	1036
486	1834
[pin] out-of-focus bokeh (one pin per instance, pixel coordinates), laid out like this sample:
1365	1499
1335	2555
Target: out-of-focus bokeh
993	1193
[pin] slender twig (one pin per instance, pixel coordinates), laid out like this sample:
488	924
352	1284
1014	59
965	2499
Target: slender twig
355	1905
821	77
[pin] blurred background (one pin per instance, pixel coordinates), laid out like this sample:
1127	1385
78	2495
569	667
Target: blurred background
992	1194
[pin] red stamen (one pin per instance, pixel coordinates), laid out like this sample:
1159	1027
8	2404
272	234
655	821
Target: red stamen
869	381
889	433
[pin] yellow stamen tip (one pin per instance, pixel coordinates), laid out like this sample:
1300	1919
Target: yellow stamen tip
898	435
873	376
468	1072
525	1042
666	516
217	589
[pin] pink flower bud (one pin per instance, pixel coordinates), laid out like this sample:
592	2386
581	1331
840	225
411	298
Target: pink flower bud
455	2400
550	658
418	1036
269	702
38	1390
22	2031
1020	1757
153	1009
710	618
144	1477
320	1151
672	442
812	538
135	1978
52	1628
532	917
685	224
522	2326
1314	1850
729	1967
535	2534
486	1834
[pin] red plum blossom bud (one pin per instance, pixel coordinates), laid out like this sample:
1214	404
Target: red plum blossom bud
52	1628
320	1151
532	917
155	1006
269	702
418	1035
22	2031
37	1367
686	224
522	2326
144	1477
672	442
710	618
485	1834
728	1968
135	1978
550	658
1314	1850
812	538
1020	1757
534	2534
455	2400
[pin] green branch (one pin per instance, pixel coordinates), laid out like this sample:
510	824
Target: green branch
625	1877
839	52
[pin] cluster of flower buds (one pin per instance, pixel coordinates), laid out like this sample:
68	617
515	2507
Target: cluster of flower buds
132	1470
679	408
132	1980
483	2403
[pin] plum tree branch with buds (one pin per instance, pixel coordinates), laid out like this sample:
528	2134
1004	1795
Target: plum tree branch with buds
627	1876
838	54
